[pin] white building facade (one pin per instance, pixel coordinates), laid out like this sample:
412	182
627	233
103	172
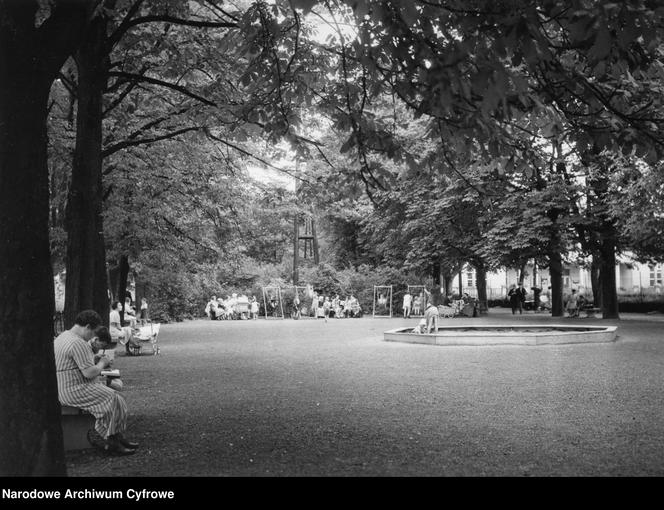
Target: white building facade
632	278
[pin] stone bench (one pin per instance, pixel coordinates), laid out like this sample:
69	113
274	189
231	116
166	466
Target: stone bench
591	311
75	425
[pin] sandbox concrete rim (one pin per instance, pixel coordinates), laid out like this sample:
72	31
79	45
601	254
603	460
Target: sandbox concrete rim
573	329
550	334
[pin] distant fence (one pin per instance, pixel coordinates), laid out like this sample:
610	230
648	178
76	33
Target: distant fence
492	293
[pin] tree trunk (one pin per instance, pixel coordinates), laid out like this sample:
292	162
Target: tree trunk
536	295
522	272
30	57
87	286
296	247
595	281
31	437
460	278
607	272
481	287
447	281
556	274
123	275
113	275
435	272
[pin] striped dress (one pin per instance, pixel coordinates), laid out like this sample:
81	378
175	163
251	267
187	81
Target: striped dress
72	354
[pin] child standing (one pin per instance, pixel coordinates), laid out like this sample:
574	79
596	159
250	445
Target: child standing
144	311
254	308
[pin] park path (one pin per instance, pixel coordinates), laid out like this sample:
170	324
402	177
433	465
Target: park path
309	398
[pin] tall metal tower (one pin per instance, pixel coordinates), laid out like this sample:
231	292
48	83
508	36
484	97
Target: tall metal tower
304	236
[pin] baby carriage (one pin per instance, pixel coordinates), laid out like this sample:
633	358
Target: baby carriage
144	334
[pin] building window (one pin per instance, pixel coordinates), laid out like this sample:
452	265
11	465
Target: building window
470	276
655	275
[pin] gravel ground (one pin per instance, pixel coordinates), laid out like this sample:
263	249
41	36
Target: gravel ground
309	398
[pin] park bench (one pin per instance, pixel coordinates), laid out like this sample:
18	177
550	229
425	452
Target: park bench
446	311
75	425
590	310
77	422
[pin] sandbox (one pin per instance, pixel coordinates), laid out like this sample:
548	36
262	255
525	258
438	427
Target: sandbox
506	335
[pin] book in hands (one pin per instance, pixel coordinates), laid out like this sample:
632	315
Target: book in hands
114	372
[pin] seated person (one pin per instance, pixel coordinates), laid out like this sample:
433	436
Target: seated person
243	306
129	313
417	305
339	312
103	346
273	306
211	308
431	318
347	307
116	330
223	309
357	310
78	386
296	312
231	306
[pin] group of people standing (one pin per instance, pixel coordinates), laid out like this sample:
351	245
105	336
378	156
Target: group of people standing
542	300
517	297
415	305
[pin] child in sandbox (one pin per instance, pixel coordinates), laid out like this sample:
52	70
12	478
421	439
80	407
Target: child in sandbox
421	327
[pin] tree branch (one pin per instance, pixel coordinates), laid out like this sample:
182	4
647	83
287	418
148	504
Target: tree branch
131	143
187	236
246	153
161	83
127	24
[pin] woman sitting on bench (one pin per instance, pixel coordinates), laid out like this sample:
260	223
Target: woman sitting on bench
78	384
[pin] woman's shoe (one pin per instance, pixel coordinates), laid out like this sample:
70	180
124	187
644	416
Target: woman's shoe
116	446
95	439
126	443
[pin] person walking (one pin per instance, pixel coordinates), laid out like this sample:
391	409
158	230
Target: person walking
517	296
572	305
